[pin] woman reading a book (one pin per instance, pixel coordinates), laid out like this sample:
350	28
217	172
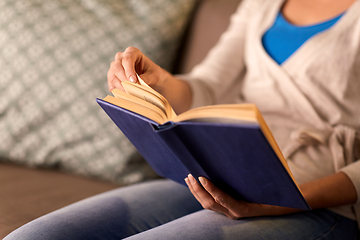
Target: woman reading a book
299	62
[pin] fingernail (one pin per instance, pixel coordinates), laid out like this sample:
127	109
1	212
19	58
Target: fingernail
191	178
133	79
202	181
186	180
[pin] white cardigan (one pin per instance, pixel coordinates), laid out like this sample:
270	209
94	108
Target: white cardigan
311	102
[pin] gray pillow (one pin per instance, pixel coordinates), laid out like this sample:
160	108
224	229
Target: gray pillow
54	56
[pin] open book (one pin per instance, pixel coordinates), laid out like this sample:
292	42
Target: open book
230	145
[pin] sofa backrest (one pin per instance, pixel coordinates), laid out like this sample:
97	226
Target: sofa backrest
210	20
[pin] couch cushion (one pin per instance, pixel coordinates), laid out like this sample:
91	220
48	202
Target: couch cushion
53	63
210	21
27	194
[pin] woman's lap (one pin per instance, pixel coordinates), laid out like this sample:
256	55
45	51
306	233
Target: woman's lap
163	209
206	224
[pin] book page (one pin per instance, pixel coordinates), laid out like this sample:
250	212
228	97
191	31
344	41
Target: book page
144	92
270	138
137	105
236	112
223	121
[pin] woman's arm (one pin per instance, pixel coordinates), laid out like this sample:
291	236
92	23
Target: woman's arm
331	191
215	77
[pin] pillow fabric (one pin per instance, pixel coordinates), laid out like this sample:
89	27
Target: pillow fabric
53	64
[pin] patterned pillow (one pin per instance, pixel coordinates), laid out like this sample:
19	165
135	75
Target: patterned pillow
53	63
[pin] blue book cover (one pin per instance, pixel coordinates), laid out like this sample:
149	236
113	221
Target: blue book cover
236	157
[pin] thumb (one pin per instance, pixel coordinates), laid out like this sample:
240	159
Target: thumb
130	72
131	57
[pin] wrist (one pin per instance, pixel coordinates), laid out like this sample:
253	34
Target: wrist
256	209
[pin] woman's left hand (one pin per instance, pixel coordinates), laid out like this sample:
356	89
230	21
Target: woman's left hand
212	198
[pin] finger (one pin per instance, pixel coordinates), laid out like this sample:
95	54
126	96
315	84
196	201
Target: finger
235	207
113	80
201	194
204	197
117	67
218	195
191	184
130	58
187	181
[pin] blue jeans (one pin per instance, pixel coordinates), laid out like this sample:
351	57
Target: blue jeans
163	209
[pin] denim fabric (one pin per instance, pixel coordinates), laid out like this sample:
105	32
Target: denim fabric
163	209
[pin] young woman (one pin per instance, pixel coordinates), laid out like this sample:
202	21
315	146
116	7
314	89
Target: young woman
299	61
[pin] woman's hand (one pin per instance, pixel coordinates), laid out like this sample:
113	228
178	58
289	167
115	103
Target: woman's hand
129	63
132	61
212	198
331	191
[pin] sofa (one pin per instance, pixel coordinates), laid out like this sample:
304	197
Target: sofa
56	145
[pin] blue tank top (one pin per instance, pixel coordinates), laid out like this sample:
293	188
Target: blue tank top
284	38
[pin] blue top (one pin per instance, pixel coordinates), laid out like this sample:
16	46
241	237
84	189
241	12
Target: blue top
284	38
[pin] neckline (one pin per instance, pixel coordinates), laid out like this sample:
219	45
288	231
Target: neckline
307	51
283	20
298	102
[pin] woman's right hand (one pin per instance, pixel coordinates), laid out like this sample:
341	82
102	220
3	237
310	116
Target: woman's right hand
128	63
132	61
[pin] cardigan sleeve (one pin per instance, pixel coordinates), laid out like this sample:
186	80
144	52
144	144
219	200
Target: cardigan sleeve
353	172
220	71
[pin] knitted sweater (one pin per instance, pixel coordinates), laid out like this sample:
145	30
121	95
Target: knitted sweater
311	102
